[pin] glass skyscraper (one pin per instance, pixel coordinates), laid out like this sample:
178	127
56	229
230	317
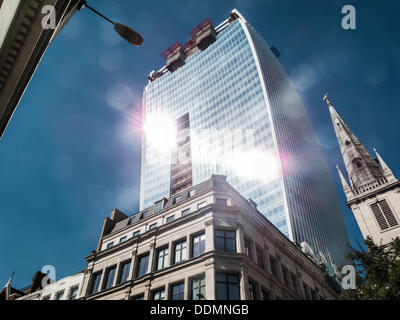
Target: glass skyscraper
247	122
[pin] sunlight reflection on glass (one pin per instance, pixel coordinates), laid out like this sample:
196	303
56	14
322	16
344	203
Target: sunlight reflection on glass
254	165
160	131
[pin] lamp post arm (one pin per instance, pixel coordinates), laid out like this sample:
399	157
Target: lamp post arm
101	15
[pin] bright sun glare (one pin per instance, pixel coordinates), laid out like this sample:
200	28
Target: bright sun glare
254	165
160	131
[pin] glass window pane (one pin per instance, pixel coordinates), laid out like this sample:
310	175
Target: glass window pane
233	292
233	278
230	245
230	234
221	291
219	244
219	233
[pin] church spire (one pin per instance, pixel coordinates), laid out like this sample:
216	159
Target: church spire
386	170
348	192
361	167
343	180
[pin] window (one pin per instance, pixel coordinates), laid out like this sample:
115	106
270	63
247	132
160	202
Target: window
110	245
192	193
124	271
307	291
314	295
46	297
383	214
131	220
202	204
123	239
162	258
159	294
247	247
185	212
285	276
199	288
144	215
139	297
158	206
252	291
109	278
178	291
59	295
265	295
152	226
227	286
177	199
198	245
272	262
222	202
357	162
136	234
295	284
73	293
170	219
143	265
95	285
225	240
260	258
180	252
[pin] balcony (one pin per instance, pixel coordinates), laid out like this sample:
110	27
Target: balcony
370	186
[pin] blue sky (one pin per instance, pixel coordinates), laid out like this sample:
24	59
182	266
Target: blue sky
72	150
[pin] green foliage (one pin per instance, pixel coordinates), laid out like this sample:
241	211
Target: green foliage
377	272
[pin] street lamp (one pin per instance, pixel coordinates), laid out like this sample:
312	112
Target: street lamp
124	31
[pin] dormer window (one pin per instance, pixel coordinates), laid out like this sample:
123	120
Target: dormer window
192	193
158	206
177	199
131	220
144	215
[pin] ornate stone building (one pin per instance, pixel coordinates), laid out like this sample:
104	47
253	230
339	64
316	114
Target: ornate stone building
207	242
67	288
42	288
373	192
23	42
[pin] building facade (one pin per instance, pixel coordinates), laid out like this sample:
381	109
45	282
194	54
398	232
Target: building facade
43	288
373	194
67	288
207	242
246	122
23	42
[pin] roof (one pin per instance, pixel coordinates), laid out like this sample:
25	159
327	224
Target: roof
169	204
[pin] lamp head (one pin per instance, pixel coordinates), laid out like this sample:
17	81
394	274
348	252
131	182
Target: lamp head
128	34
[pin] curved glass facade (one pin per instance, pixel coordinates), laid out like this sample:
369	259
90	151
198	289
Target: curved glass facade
248	123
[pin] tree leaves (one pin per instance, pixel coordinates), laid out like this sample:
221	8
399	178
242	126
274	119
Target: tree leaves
377	272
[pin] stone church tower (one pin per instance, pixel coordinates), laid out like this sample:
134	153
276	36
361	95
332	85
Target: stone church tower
374	192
